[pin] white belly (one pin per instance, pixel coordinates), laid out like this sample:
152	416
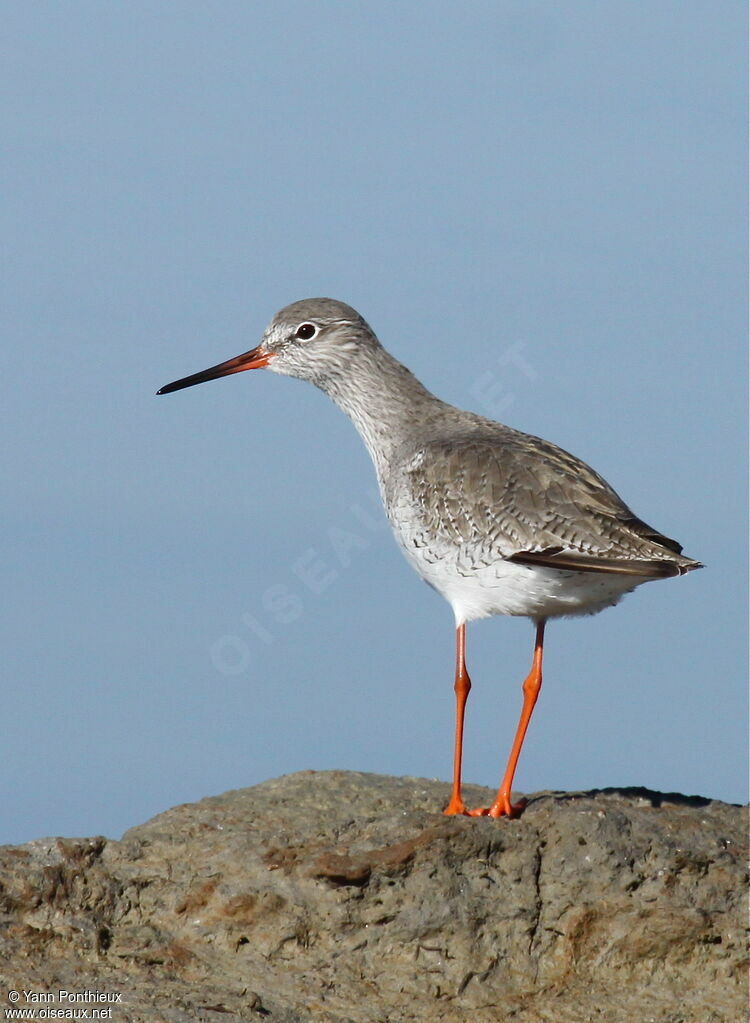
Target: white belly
504	587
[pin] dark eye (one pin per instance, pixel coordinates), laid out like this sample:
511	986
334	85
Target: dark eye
305	331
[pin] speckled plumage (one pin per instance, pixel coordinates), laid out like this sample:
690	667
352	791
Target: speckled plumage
497	521
474	503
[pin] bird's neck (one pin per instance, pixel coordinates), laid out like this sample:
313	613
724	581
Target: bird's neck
384	400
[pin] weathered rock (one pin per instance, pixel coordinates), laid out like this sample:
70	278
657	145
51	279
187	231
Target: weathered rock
346	898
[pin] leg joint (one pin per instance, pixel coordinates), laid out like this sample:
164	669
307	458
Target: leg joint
532	684
462	685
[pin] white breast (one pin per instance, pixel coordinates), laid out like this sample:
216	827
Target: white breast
477	587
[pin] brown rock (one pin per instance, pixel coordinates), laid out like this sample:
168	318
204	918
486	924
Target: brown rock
337	897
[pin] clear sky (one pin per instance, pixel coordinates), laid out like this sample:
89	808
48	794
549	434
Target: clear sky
539	207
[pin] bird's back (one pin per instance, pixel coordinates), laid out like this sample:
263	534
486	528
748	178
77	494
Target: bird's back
483	487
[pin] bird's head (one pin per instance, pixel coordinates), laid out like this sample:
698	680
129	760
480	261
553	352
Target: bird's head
312	339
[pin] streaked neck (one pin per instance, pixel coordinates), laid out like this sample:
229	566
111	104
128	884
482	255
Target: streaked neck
383	399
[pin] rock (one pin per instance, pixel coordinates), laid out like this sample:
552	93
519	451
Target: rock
337	897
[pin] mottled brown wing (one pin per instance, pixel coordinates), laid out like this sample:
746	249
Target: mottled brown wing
524	499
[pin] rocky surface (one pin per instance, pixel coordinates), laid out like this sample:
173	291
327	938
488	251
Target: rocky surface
346	898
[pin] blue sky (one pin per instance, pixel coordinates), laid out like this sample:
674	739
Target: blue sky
540	208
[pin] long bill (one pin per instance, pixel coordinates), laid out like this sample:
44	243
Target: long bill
254	359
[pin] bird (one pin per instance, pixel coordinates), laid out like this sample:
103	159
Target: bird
495	520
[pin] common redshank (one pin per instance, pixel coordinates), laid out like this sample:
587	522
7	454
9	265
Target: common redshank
497	521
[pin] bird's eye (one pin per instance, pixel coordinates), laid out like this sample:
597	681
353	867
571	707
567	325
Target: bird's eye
305	331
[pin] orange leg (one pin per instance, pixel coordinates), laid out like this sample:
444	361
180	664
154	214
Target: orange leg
461	687
502	807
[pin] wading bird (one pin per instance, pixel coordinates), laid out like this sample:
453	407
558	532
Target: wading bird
497	521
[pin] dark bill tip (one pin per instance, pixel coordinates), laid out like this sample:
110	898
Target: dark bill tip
254	359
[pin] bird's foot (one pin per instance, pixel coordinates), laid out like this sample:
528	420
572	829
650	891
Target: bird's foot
502	807
456	806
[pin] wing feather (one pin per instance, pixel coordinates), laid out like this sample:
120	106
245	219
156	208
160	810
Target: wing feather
517	497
